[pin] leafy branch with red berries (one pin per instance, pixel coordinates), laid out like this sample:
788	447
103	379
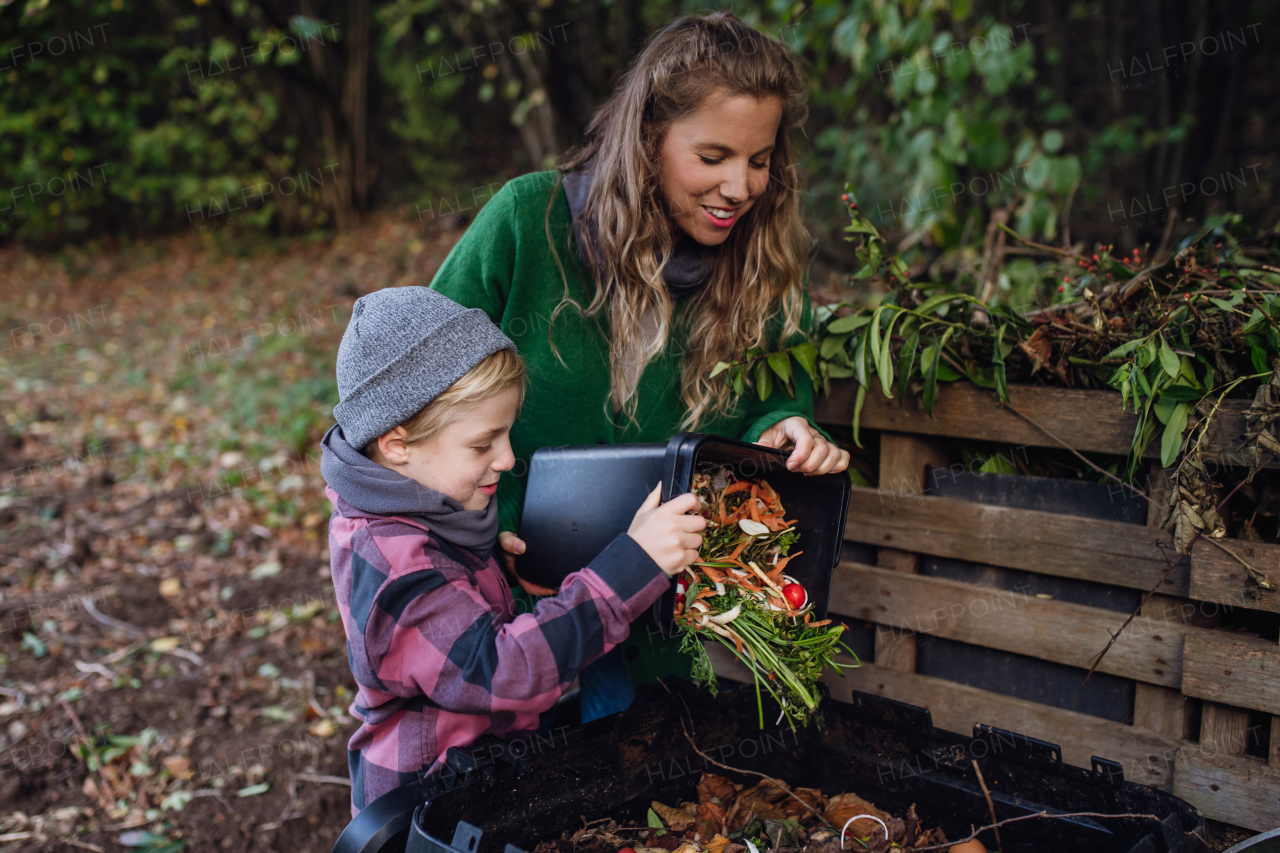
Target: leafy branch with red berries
1168	330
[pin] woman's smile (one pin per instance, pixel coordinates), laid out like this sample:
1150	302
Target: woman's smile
721	217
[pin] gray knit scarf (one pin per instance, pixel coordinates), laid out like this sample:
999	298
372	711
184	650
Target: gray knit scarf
369	487
690	264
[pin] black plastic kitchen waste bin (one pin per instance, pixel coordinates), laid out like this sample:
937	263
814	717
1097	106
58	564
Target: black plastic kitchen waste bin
885	751
579	498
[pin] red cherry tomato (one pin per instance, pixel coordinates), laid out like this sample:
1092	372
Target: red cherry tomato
626	850
795	595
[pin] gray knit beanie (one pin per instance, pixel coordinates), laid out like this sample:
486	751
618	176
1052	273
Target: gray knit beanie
402	348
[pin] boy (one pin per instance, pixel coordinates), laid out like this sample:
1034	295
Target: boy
429	392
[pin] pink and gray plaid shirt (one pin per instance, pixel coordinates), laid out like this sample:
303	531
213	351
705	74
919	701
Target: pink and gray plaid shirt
439	656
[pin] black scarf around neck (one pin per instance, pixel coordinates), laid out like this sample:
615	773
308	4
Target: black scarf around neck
690	264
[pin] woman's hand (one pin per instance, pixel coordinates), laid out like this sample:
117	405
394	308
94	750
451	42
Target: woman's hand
511	545
813	454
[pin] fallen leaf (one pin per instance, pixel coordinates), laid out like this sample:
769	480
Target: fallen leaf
265	569
844	806
715	787
717	844
710	822
141	838
675	819
324	728
254	790
763	799
179	766
177	801
793	808
1039	348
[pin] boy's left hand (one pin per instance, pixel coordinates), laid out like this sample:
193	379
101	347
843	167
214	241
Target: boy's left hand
813	454
512	545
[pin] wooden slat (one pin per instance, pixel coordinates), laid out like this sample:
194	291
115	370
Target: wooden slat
1235	789
1165	709
1160	709
1062	545
1223	729
1216	577
1087	420
1146	756
903	459
1243	672
1149	651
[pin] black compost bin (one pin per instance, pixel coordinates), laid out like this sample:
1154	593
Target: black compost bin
579	498
525	792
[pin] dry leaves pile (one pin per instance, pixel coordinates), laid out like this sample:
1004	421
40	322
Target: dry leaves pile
733	818
1260	420
1195	498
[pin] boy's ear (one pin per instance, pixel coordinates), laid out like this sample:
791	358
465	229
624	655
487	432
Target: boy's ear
391	446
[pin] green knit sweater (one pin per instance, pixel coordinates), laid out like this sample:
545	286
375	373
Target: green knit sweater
504	265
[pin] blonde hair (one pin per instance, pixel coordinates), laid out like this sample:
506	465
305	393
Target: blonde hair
757	272
500	371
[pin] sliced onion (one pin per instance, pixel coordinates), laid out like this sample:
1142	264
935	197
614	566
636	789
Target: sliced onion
728	615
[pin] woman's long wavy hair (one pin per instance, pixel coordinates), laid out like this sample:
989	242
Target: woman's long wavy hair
758	270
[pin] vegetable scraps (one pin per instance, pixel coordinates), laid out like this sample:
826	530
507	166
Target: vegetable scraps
739	594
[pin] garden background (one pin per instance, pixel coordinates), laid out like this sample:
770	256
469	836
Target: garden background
193	193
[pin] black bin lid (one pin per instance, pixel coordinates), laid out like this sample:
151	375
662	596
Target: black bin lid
579	498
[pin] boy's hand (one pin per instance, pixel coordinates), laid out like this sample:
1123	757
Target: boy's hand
666	533
512	545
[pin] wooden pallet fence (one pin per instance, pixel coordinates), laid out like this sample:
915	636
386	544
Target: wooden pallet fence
1171	652
1090	421
1150	650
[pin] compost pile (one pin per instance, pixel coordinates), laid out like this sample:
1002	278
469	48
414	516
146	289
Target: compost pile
740	595
732	818
1174	330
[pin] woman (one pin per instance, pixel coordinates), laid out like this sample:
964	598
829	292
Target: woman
672	240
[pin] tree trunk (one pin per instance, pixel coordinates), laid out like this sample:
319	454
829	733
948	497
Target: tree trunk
538	125
355	102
